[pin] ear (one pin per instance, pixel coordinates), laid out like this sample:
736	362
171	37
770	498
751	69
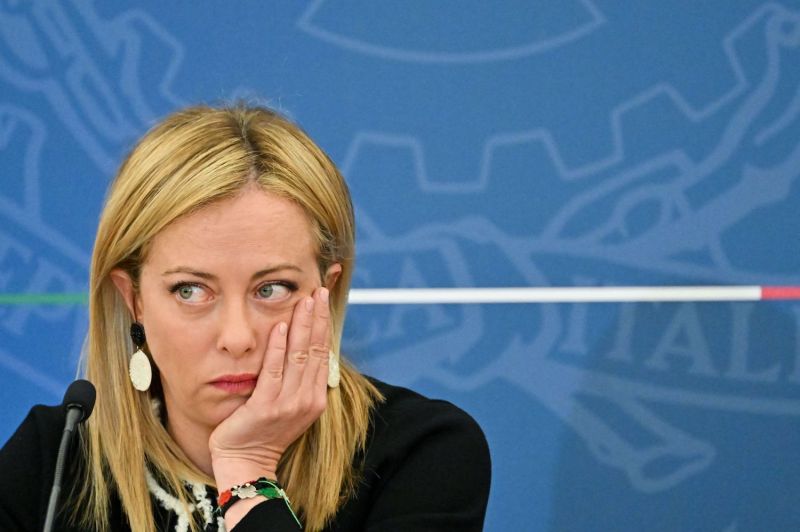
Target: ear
124	285
332	275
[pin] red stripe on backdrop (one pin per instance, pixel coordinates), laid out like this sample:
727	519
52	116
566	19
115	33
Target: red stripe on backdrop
780	292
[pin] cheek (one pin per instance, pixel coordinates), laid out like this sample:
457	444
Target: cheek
268	319
177	345
173	338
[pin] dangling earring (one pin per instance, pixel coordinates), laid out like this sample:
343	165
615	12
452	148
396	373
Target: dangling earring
140	371
333	369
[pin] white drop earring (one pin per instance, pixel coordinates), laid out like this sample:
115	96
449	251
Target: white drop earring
333	369
139	370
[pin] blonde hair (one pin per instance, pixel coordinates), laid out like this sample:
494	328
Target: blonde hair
191	159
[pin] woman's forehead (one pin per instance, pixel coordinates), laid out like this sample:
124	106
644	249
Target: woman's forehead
252	226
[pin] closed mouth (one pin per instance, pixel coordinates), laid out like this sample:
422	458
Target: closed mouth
236	383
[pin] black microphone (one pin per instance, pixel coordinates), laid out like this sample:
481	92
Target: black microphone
79	402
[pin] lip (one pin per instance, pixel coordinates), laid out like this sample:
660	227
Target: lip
242	382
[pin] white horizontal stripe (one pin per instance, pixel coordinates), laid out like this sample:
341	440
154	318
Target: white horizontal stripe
576	294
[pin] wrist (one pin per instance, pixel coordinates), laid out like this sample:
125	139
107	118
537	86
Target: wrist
235	502
227	475
232	470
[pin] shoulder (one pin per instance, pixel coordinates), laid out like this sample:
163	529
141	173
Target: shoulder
36	437
426	467
404	406
410	423
27	462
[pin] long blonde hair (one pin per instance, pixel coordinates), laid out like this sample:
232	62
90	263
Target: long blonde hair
191	159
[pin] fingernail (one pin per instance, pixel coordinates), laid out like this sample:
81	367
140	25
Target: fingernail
309	304
282	328
323	295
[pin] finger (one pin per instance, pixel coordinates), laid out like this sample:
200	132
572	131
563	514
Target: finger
319	346
297	348
270	379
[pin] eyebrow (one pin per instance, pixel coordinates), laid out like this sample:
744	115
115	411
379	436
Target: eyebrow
212	277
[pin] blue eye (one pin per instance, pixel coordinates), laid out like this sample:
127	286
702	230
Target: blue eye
274	291
188	292
266	290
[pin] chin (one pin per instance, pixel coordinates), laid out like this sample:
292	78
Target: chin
223	410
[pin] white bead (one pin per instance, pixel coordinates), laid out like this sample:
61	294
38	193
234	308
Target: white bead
333	370
140	371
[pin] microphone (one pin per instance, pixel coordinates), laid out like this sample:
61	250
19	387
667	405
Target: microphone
79	402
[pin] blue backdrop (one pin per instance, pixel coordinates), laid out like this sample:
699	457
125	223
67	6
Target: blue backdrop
517	143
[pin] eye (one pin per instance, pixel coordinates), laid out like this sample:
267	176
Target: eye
189	292
275	290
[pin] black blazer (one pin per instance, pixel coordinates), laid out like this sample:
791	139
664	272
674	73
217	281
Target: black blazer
426	468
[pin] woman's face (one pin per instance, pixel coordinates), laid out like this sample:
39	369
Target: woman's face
213	285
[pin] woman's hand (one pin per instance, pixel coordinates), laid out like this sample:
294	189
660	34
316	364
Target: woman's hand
291	393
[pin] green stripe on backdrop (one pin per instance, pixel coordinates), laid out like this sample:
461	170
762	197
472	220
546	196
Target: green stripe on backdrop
44	299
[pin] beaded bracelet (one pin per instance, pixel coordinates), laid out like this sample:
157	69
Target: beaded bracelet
269	489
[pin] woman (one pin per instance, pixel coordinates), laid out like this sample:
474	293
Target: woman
218	289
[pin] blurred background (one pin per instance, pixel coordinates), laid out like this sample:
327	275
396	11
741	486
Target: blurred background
516	143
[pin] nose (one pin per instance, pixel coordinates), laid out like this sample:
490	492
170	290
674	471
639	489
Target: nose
237	329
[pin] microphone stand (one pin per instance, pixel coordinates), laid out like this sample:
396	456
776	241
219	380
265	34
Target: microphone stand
74	414
79	401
